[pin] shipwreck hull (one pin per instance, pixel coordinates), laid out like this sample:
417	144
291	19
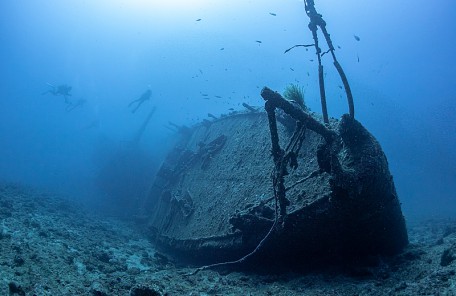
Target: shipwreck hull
214	200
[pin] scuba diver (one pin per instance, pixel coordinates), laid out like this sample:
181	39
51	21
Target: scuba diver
61	90
71	106
144	97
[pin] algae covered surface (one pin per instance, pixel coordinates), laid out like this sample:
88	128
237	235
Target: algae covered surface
52	246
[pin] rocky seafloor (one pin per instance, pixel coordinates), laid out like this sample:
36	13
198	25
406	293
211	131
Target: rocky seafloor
51	246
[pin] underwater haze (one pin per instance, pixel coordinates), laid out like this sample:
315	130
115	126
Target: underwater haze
199	57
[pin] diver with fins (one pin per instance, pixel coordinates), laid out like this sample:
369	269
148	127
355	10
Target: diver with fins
144	97
61	90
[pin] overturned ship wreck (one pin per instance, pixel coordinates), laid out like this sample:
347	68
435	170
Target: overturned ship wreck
324	192
214	197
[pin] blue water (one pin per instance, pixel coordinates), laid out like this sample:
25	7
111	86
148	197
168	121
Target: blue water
401	72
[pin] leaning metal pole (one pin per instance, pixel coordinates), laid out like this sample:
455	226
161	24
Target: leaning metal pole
316	21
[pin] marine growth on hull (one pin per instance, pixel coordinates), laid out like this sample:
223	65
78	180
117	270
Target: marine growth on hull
277	186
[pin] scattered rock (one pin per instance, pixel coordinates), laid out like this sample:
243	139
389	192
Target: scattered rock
145	291
103	257
449	230
448	256
161	258
18	261
401	286
15	289
97	289
134	271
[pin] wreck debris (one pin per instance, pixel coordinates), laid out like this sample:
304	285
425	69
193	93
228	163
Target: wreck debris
182	129
143	126
211	115
248	107
207	151
206	123
283	158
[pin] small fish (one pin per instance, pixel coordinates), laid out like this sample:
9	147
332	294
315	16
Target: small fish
340	86
308	74
206	98
198	20
223	48
258	41
357	56
272	13
200	71
291	69
338	46
231	109
218	97
204	95
357	38
311	60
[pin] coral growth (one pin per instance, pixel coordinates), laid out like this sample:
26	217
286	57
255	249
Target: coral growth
295	93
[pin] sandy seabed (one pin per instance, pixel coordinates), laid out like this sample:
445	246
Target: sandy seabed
51	246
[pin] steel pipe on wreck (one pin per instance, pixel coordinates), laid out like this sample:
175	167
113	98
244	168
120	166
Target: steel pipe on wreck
297	113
